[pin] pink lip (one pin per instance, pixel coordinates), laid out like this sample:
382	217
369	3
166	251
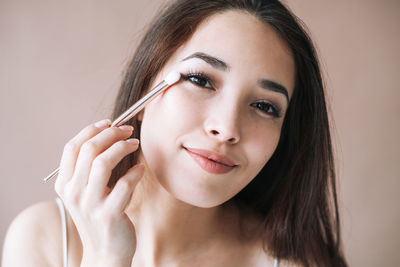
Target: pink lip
210	161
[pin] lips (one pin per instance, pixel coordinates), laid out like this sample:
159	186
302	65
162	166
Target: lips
210	161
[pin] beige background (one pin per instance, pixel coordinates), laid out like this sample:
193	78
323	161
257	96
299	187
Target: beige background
61	64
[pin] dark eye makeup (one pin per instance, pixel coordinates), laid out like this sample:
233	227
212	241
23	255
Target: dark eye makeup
268	108
200	79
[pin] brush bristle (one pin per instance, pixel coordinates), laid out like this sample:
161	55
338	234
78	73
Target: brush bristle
172	77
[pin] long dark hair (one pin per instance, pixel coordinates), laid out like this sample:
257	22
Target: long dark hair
295	193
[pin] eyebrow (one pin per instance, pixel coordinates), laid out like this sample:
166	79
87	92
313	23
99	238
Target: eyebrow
274	86
213	61
221	65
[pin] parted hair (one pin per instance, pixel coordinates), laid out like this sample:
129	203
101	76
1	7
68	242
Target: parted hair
295	192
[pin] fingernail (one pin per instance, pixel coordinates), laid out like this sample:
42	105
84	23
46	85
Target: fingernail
133	141
102	123
126	128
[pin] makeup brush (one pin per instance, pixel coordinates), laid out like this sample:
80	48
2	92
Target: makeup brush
172	78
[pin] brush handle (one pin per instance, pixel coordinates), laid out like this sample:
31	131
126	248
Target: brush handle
170	79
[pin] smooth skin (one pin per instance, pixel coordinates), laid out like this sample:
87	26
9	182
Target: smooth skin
106	232
166	210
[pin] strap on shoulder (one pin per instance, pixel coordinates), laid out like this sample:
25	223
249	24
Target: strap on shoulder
61	208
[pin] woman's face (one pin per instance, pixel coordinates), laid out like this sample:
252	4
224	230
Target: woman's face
209	135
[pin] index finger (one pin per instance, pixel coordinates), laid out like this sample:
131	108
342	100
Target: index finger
71	149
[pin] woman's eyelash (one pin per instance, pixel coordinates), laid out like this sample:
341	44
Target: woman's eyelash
268	108
199	79
202	80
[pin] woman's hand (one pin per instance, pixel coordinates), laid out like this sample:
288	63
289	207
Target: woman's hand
106	232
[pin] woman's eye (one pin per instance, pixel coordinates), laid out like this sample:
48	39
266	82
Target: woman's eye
199	80
267	108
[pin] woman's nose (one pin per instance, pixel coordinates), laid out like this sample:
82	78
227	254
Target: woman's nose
223	126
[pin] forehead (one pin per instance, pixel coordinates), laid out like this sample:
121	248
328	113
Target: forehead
245	43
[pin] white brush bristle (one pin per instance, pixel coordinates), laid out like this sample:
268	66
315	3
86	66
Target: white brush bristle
172	77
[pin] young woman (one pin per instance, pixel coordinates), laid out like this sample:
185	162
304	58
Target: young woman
234	165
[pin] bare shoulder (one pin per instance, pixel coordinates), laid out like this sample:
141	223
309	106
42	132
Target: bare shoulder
284	263
265	260
34	237
260	254
262	258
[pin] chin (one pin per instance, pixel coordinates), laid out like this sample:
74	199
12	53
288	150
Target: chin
198	198
206	204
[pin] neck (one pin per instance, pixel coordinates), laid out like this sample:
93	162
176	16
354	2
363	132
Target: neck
169	230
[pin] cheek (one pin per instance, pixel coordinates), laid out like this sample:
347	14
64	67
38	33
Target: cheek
171	110
258	148
261	146
166	119
181	107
